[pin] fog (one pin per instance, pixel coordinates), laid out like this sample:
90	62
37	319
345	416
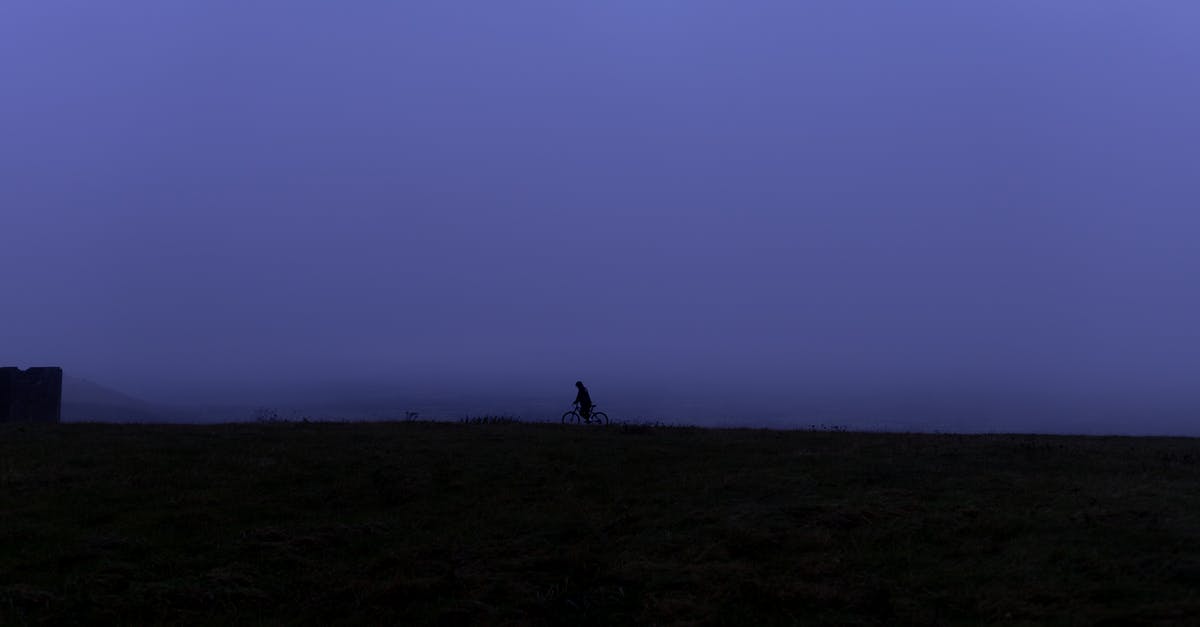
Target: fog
936	215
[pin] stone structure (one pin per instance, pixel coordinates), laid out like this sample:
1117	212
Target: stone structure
33	395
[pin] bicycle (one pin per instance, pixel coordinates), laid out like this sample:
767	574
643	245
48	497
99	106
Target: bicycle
573	417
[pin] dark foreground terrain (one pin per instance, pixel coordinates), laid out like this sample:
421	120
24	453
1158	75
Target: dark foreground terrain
542	524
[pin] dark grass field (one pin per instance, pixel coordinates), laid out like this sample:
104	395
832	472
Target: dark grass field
422	523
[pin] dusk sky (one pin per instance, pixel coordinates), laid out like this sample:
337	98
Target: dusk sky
776	198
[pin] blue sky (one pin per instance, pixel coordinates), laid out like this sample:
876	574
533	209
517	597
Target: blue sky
797	195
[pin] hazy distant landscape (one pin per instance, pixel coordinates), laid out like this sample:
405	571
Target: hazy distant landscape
961	411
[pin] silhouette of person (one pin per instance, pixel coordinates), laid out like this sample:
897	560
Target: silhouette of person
583	400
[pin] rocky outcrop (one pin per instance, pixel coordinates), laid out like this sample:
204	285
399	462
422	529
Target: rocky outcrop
33	395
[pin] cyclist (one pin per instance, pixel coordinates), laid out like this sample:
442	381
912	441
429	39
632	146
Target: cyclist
584	401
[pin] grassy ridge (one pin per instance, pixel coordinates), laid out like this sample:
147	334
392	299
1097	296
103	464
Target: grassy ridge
542	524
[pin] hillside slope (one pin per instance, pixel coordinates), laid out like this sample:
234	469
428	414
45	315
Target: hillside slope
85	400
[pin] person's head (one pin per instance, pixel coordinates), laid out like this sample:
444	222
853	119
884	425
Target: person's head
579	384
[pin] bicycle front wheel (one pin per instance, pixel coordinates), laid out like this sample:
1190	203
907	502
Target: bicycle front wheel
600	418
570	418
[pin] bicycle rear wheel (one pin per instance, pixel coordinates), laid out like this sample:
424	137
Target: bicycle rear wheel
600	417
570	418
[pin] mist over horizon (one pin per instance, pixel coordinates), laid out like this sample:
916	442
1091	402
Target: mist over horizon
929	216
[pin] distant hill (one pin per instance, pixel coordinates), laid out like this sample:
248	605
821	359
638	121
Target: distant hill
85	400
